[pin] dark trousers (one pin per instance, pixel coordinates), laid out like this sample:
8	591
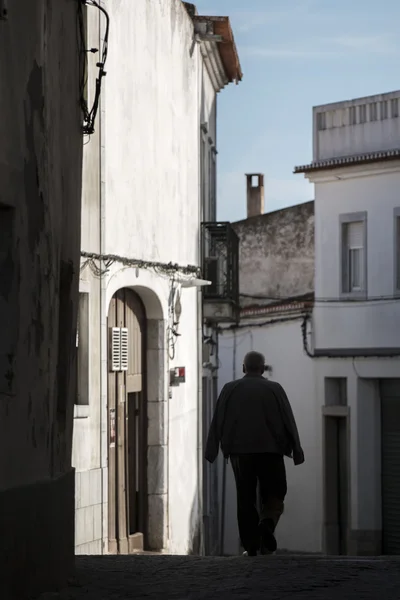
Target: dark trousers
269	471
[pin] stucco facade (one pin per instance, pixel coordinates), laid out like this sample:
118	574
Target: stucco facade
353	332
148	184
40	201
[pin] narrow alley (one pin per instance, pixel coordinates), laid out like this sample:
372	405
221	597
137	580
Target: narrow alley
193	577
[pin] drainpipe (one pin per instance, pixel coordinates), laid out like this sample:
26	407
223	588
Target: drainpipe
103	322
200	327
200	419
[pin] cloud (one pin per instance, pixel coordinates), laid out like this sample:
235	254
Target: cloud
286	52
246	21
376	44
335	47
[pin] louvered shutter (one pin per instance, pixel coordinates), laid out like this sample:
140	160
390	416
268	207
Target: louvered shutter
355	235
124	349
115	349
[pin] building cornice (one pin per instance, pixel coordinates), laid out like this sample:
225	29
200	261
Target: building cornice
353	172
349	161
289	306
218	47
213	65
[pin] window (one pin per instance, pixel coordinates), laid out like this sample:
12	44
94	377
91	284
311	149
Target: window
321	121
394	105
397	249
82	344
363	113
353	249
373	111
353	115
335	391
384	110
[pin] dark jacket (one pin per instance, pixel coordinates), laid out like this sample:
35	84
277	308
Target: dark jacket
253	415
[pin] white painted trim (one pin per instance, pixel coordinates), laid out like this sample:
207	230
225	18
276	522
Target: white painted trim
336	411
213	64
356	101
353	172
81	411
84	286
151	288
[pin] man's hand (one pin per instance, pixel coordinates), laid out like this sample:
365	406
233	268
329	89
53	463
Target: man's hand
298	457
210	455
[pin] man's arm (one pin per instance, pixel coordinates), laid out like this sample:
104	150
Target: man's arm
215	432
290	424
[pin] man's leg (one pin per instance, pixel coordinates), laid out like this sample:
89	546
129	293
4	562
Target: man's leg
243	466
273	488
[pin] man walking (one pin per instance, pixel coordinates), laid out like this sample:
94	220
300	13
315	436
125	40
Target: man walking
254	424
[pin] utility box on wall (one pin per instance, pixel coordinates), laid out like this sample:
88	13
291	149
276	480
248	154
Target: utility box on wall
177	375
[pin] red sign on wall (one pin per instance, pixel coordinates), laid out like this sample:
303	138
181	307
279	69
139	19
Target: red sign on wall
177	375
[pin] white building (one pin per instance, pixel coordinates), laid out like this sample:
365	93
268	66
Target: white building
354	330
149	183
276	260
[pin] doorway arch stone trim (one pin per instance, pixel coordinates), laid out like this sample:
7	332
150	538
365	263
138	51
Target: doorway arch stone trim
153	292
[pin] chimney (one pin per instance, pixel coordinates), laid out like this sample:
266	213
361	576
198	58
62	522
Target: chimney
255	194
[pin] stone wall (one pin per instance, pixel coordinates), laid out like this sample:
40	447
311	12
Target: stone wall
40	173
276	254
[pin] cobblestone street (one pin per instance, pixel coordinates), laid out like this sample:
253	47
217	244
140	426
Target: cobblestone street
181	578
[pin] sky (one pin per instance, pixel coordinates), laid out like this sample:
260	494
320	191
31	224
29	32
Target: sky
295	54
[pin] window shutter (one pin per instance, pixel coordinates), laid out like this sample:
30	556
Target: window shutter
355	234
124	349
115	347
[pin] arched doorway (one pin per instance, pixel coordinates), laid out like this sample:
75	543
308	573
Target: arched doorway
127	423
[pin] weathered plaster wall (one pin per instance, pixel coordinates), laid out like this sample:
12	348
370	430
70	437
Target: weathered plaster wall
152	131
40	173
152	116
88	457
276	256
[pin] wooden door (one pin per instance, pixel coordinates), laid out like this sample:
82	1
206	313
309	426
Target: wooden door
127	405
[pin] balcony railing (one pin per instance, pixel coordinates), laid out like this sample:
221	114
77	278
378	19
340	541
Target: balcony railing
220	262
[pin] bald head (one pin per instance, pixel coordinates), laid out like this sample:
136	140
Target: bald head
254	363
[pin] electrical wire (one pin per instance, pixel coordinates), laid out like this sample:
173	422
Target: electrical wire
304	324
168	269
172	329
89	116
261	324
348	301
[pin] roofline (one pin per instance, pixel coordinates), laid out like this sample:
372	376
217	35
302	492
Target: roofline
302	303
349	161
273	212
356	101
226	45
